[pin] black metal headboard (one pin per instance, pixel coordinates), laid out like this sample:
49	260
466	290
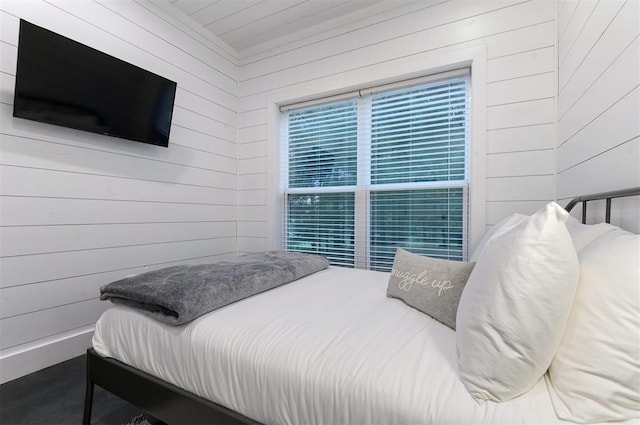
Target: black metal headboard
598	196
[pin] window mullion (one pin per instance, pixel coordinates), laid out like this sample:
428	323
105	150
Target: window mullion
363	183
284	181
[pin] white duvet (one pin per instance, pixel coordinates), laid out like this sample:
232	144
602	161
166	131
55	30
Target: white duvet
330	348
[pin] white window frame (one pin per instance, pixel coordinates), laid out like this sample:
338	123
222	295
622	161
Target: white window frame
363	189
474	58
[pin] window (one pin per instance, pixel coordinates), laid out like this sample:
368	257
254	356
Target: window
385	169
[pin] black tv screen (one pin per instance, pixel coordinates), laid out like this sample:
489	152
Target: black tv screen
60	81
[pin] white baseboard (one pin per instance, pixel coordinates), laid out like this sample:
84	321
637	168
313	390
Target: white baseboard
19	361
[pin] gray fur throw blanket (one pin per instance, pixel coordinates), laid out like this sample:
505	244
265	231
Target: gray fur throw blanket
178	294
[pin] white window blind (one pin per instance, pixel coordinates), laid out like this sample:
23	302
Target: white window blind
323	146
377	172
322	155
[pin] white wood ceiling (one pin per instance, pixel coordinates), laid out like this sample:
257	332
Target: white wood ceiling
246	23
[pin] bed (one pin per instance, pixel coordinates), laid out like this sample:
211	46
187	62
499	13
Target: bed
329	348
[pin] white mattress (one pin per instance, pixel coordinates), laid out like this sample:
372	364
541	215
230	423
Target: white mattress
328	349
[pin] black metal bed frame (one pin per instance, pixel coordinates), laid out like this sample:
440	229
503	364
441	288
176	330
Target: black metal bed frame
162	400
608	196
172	404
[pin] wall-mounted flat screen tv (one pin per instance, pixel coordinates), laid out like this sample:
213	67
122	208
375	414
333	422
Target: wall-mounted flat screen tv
60	81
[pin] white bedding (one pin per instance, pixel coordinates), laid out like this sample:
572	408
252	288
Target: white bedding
330	348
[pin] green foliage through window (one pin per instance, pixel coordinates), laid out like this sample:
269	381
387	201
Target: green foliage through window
426	222
322	224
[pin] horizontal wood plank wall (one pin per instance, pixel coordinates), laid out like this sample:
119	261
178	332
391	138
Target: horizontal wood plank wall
520	45
80	210
599	99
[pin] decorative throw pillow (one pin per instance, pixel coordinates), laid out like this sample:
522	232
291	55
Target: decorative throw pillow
515	306
430	285
595	375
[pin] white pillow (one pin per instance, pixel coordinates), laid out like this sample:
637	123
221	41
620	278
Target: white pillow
595	376
583	234
502	226
514	308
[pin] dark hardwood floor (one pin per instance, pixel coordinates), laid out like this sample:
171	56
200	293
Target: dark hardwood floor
55	396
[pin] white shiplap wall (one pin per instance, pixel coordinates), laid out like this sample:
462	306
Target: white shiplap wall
519	38
599	97
79	210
